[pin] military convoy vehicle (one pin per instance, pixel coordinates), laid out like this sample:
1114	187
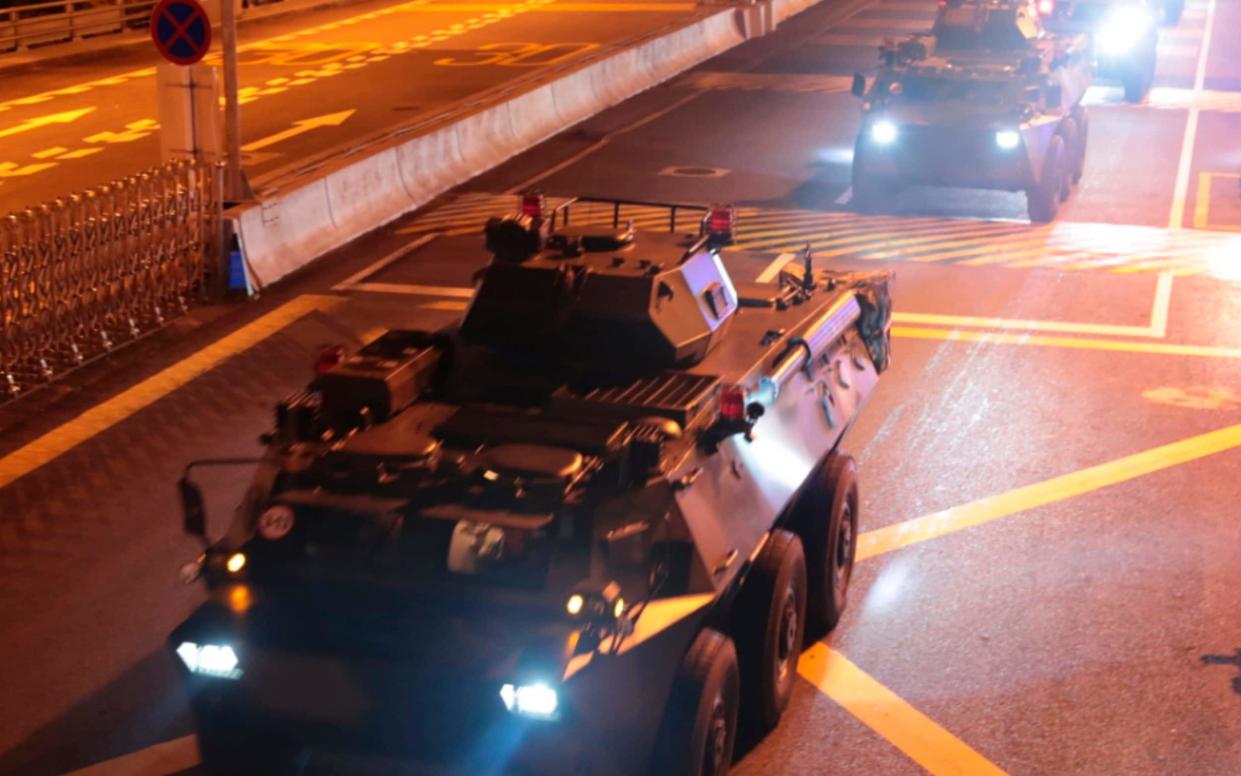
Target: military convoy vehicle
581	531
1124	36
986	100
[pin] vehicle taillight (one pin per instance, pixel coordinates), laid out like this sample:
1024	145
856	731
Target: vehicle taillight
533	204
329	356
732	405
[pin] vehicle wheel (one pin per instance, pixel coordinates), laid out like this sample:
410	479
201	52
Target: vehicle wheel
827	521
1083	138
700	721
1068	131
1043	200
1172	10
1138	78
870	192
771	629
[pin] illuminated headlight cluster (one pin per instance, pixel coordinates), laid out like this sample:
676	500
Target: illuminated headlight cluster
536	700
883	133
1007	139
1126	25
216	660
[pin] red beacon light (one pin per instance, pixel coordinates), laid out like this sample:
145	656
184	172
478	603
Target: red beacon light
533	204
720	222
329	356
732	405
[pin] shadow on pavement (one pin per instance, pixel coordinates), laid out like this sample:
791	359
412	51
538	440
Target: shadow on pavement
142	707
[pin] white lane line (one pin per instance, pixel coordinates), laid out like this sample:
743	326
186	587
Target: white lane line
774	267
406	249
161	759
1177	217
1159	308
413	290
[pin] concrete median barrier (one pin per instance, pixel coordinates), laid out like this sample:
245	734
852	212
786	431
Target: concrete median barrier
307	212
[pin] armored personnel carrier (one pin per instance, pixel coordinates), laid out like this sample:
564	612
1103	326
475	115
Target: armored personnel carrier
986	100
1124	36
580	531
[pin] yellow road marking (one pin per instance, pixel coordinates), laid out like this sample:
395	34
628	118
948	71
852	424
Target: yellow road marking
446	305
79	153
64	117
889	715
1029	325
301	127
49	152
1082	343
12	170
1202	203
111	412
1023	499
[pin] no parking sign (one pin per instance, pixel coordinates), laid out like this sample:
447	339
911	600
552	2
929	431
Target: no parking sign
181	31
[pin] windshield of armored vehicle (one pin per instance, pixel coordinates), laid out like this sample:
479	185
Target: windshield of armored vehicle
925	88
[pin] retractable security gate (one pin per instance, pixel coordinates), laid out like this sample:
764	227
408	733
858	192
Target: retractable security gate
84	274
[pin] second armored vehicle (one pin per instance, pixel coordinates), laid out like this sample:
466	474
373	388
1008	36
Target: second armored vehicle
578	532
986	100
1124	36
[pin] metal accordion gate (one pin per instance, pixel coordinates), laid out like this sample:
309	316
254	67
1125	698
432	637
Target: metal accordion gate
82	275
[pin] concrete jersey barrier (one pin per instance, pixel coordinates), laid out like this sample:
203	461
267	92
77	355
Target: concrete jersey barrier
313	213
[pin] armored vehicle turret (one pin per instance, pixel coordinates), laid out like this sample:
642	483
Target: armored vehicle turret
987	99
580	531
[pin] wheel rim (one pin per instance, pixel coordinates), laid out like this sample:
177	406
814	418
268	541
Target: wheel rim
843	560
717	738
788	638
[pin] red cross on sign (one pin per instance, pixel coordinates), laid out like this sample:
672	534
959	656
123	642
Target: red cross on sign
181	31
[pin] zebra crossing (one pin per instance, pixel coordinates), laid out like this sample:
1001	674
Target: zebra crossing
1066	246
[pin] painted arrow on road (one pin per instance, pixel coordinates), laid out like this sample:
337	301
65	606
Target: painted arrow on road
64	117
300	127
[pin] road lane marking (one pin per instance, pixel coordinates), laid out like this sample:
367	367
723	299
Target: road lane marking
374	267
412	290
1202	202
109	413
49	152
1024	499
892	717
64	117
1176	218
179	754
1081	343
301	127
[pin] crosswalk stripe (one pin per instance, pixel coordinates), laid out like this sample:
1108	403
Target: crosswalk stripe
1062	246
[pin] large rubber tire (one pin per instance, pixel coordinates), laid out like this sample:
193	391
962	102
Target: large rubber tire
1138	77
1043	201
1082	120
1172	10
1068	131
228	750
771	628
871	193
827	520
700	722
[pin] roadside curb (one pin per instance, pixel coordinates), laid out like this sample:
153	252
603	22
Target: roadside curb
311	208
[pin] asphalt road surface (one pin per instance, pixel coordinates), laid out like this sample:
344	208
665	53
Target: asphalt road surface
1051	553
309	81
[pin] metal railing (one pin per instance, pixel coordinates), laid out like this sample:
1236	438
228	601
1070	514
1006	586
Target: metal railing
29	25
82	275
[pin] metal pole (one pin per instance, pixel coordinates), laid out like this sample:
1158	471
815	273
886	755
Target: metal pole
236	188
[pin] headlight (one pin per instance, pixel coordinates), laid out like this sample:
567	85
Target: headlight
1125	26
218	660
531	700
1007	139
883	132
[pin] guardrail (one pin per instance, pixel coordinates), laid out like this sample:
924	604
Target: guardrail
32	25
83	275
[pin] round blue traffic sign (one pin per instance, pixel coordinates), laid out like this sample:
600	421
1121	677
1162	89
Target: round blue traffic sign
181	31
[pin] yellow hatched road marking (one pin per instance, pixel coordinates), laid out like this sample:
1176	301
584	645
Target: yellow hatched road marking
883	711
1024	499
103	416
1081	343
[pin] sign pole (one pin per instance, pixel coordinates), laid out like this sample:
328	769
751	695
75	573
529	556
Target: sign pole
236	187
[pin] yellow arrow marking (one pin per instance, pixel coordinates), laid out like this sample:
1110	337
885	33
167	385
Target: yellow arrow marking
64	117
300	127
12	170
